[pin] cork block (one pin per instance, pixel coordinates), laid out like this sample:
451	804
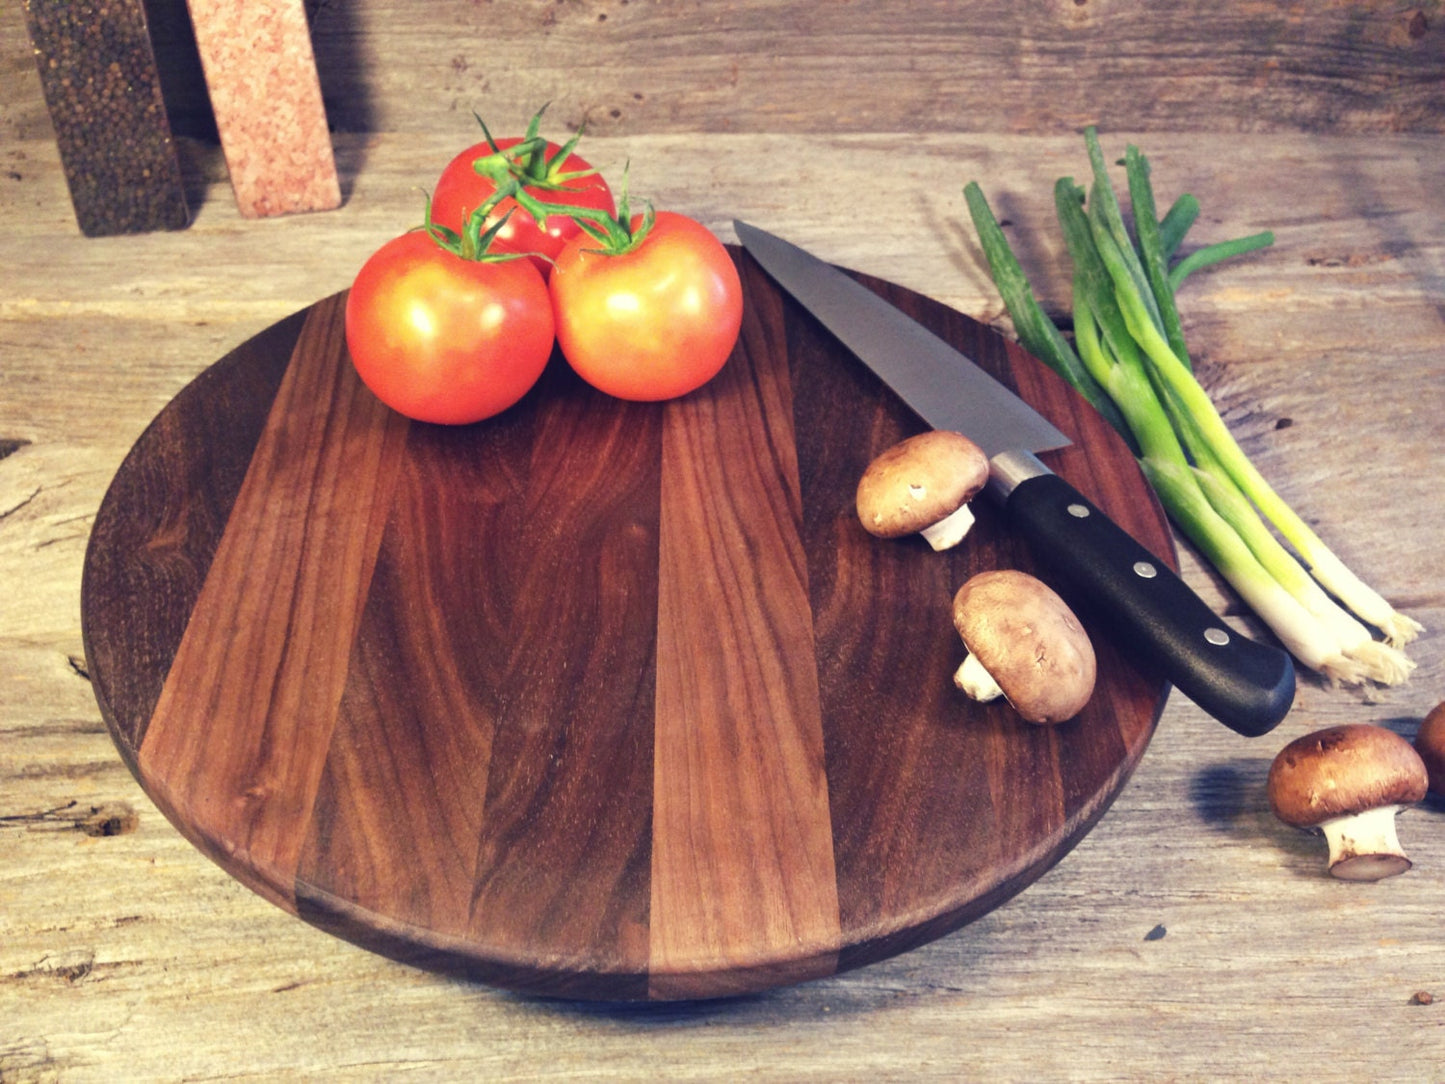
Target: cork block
261	74
98	72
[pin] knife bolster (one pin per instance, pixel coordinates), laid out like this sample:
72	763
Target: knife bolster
1009	470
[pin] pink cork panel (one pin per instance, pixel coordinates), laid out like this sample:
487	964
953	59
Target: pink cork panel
261	73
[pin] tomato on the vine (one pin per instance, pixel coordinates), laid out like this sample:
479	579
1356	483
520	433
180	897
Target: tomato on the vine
545	174
445	339
652	321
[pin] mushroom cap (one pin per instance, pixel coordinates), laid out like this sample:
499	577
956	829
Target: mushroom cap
918	482
1430	745
1029	641
1341	771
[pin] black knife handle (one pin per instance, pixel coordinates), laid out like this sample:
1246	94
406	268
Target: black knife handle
1247	686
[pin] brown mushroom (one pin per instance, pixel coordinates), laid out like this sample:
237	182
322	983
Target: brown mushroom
1430	744
922	486
1349	782
1025	644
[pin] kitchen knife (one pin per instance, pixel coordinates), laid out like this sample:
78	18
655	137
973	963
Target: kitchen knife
1246	685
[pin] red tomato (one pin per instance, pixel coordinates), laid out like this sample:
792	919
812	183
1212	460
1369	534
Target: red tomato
461	190
443	339
653	323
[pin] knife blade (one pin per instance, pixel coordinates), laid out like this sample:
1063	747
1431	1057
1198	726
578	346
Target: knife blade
1246	685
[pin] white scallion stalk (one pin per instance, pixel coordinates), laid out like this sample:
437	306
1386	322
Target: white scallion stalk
1399	629
1340	643
1381	663
1302	634
1328	569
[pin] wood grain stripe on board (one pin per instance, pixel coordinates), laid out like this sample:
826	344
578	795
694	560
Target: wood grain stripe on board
904	841
416	723
160	523
562	859
742	864
236	746
489	785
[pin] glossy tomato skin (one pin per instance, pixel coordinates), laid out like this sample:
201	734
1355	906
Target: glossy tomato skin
653	323
443	339
460	190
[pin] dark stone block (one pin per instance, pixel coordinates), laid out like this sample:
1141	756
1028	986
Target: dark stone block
103	90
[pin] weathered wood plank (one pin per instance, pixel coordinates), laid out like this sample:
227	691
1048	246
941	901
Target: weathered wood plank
996	65
896	65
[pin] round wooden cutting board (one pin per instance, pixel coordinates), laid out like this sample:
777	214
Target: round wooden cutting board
593	699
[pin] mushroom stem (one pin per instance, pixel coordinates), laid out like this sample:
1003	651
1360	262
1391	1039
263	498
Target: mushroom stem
950	530
1365	847
977	682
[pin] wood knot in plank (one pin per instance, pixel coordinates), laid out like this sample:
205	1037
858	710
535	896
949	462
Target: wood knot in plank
71	967
107	819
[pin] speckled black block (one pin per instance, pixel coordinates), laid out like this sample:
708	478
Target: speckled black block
104	95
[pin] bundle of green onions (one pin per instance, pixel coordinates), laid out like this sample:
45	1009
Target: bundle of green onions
1128	358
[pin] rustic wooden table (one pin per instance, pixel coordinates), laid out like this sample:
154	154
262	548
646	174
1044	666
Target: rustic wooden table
1189	936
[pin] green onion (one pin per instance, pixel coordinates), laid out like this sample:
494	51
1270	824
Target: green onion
1174	225
1303	636
1151	251
1363	657
1217	253
1038	333
1129	359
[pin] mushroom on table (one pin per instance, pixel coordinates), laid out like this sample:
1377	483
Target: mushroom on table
1025	644
1349	782
922	485
1430	744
